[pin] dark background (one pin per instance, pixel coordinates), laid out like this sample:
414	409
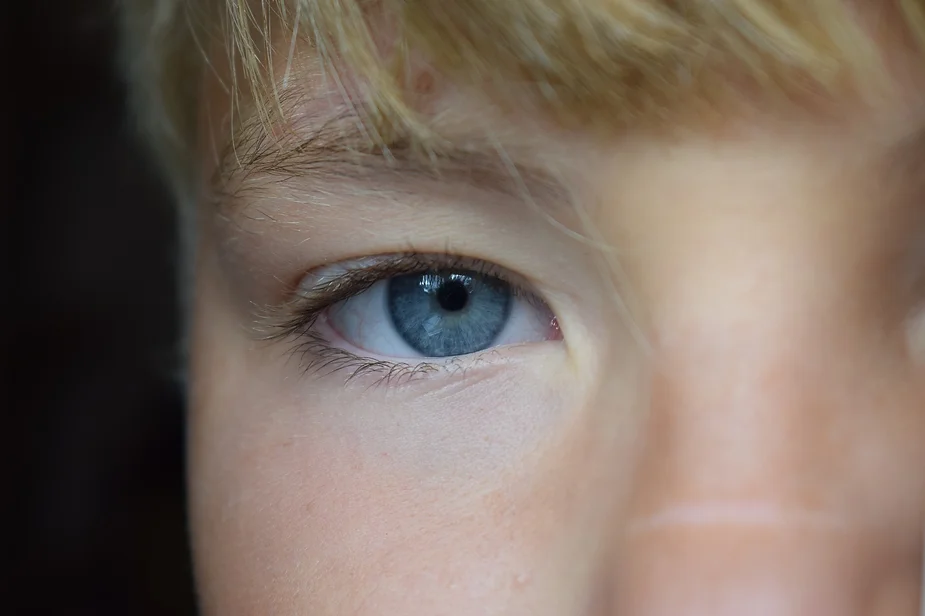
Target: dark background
96	424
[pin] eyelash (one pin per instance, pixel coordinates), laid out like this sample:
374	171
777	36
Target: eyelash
316	355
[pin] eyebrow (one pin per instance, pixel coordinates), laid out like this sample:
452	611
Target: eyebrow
339	148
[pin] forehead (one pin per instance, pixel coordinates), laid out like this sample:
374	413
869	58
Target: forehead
596	62
318	118
310	109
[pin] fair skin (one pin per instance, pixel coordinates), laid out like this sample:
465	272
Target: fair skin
740	433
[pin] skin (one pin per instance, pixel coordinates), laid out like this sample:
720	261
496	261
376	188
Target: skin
742	433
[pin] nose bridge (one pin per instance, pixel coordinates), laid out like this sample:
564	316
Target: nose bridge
729	489
778	461
764	347
747	420
747	484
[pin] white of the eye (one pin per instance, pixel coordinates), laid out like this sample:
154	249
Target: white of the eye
526	323
364	321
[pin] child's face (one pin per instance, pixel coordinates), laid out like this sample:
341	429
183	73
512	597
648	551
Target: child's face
724	413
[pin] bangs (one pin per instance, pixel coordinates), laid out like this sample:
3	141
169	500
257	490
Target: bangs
601	63
604	64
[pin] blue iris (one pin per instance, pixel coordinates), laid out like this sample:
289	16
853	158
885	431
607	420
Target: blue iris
445	313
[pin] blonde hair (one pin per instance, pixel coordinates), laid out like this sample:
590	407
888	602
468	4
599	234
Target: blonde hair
608	63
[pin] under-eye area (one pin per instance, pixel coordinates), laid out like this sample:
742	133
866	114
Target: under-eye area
400	316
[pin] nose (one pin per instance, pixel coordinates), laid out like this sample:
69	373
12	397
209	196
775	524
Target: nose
763	569
774	478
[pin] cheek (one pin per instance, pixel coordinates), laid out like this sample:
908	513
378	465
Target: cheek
326	520
319	498
483	494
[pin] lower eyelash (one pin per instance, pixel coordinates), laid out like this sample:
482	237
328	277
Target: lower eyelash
317	356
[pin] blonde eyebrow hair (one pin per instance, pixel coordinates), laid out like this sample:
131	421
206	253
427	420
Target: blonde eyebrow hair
600	63
337	149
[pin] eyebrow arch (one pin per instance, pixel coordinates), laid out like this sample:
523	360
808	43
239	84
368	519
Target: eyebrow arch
339	149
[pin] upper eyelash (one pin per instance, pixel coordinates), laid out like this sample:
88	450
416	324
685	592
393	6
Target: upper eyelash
356	280
295	320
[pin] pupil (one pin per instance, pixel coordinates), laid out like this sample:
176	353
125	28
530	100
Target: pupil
452	296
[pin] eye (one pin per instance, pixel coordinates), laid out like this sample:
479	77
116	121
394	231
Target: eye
439	313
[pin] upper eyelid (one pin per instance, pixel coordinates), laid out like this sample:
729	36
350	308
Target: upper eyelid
308	301
396	264
327	360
